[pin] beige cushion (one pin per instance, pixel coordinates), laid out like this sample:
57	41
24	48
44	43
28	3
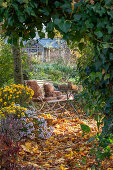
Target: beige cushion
48	89
72	87
63	87
35	87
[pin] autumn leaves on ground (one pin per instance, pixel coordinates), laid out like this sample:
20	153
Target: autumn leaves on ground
54	140
67	148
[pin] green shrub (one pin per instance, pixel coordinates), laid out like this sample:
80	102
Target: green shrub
56	72
55	75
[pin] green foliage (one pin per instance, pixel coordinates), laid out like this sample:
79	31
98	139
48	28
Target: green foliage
57	72
7	67
85	129
6	63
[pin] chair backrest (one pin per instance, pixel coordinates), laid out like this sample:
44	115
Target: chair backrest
41	82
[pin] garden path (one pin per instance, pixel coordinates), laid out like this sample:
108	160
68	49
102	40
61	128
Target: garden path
66	149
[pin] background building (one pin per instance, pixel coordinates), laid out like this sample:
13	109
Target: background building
47	49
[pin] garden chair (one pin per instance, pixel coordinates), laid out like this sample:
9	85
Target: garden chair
49	101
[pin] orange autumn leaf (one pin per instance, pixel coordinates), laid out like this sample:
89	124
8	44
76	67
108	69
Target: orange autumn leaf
82	154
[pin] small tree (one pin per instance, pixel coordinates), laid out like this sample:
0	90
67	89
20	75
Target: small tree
19	19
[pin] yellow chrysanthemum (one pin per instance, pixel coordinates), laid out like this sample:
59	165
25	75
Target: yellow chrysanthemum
1	100
23	113
12	103
5	103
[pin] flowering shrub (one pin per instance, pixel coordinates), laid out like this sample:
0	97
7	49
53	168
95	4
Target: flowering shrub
19	122
13	109
15	94
15	123
38	125
42	130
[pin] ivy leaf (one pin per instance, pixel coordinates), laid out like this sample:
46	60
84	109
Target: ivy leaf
15	6
88	24
99	34
6	14
77	17
57	21
10	21
106	45
65	6
110	13
110	29
83	161
20	1
108	3
92	75
65	26
28	10
50	26
85	128
111	56
107	76
45	11
21	18
99	75
107	66
57	4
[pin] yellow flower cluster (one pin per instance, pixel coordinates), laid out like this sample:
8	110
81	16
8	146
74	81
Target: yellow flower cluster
15	93
12	109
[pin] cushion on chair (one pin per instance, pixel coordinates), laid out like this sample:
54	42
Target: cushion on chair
48	89
63	87
72	87
35	87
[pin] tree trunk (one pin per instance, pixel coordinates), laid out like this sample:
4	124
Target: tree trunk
18	76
